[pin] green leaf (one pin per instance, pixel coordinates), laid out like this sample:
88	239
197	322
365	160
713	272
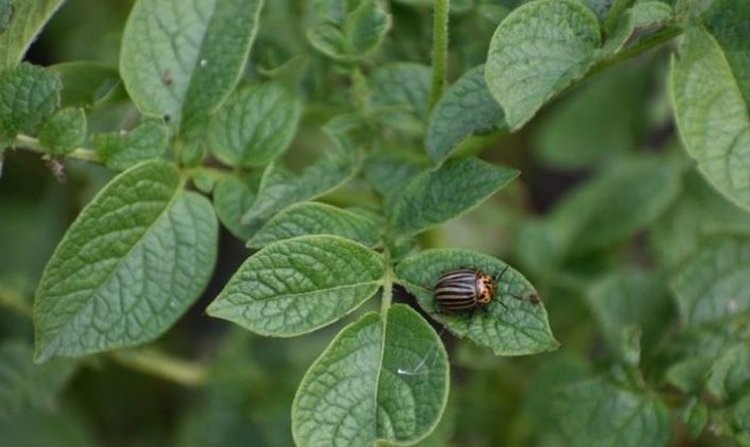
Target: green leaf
356	393
27	17
255	126
388	171
597	413
181	60
608	209
86	83
740	420
438	195
696	349
539	49
730	374
47	429
120	150
133	261
465	109
317	218
299	285
28	95
520	327
695	417
577	134
64	131
630	298
24	385
699	210
711	97
280	188
643	19
233	195
403	89
352	32
714	283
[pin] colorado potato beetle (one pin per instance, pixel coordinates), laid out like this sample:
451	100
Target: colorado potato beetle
466	290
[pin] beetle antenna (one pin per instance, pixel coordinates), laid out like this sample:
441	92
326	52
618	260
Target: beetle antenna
500	276
420	365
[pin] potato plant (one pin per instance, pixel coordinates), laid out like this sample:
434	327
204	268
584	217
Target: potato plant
222	222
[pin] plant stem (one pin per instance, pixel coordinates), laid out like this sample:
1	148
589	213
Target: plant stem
439	50
387	297
153	362
32	144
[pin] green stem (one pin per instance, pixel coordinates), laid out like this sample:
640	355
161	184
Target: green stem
658	38
439	50
34	145
153	362
387	298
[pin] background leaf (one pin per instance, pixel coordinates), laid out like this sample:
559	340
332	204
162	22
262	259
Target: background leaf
448	191
711	98
598	122
181	62
597	413
25	386
698	211
255	126
86	83
465	109
133	261
26	19
714	283
519	328
280	188
317	218
349	32
233	195
354	395
298	285
402	88
538	50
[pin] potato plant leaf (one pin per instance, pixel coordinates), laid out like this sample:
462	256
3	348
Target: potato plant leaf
180	61
711	96
298	285
317	218
538	50
450	190
515	323
130	265
365	388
